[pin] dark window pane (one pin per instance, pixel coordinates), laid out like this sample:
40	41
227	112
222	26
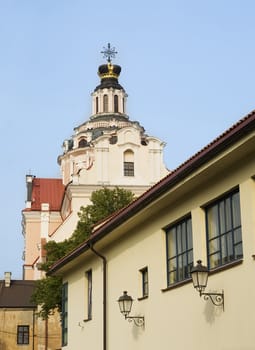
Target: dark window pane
224	230
179	251
129	169
23	335
116	103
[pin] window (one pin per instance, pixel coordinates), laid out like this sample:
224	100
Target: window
179	251
129	163
23	335
88	294
83	143
96	104
145	282
224	234
128	169
64	313
105	103
123	102
116	103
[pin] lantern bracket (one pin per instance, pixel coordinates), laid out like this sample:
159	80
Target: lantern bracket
216	298
125	304
138	320
199	274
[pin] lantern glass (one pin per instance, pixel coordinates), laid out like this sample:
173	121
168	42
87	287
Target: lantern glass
199	274
125	303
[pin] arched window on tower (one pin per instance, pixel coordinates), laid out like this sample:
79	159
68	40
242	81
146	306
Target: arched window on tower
116	104
105	103
123	103
82	143
96	104
128	164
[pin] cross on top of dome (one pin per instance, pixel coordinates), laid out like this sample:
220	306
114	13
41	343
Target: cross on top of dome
109	52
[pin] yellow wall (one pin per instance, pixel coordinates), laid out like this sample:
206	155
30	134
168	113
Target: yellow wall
9	320
176	318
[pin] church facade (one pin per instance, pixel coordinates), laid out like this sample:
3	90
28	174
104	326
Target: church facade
108	150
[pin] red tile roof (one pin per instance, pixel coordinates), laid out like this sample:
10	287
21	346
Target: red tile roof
47	191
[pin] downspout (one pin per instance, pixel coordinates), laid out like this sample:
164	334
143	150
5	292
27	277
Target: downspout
104	293
33	341
46	333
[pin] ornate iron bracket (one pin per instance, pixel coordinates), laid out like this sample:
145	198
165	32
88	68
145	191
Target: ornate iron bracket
216	298
138	320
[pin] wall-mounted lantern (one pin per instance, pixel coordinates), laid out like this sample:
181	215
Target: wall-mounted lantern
199	274
125	304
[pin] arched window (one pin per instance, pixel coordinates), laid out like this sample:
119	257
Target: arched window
83	143
105	103
123	103
128	165
116	104
96	104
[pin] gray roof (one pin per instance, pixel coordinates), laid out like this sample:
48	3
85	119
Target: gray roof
18	295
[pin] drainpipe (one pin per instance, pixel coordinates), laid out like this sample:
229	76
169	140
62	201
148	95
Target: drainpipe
46	333
33	341
104	293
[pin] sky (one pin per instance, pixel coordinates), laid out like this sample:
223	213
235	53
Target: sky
187	66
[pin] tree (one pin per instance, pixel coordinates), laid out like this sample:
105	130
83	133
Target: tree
104	202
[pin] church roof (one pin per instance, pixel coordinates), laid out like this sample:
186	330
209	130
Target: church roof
109	74
49	191
17	295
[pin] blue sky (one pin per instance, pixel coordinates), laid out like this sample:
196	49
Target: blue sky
187	66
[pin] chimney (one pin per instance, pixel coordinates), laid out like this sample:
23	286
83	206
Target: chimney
29	182
7	279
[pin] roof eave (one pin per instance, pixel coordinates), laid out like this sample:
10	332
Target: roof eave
228	138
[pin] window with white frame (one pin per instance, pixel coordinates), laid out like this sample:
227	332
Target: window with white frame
179	247
224	231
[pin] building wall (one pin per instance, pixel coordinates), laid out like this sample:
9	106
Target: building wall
175	317
9	321
49	333
102	164
36	229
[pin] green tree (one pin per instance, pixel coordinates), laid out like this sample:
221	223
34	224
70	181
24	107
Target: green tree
104	202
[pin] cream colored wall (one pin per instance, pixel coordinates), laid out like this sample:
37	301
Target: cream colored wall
107	168
110	92
176	318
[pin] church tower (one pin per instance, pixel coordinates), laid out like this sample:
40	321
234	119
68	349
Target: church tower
108	150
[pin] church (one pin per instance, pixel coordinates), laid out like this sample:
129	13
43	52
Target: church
107	150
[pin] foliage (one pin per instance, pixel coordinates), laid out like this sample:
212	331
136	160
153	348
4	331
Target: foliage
104	202
47	294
